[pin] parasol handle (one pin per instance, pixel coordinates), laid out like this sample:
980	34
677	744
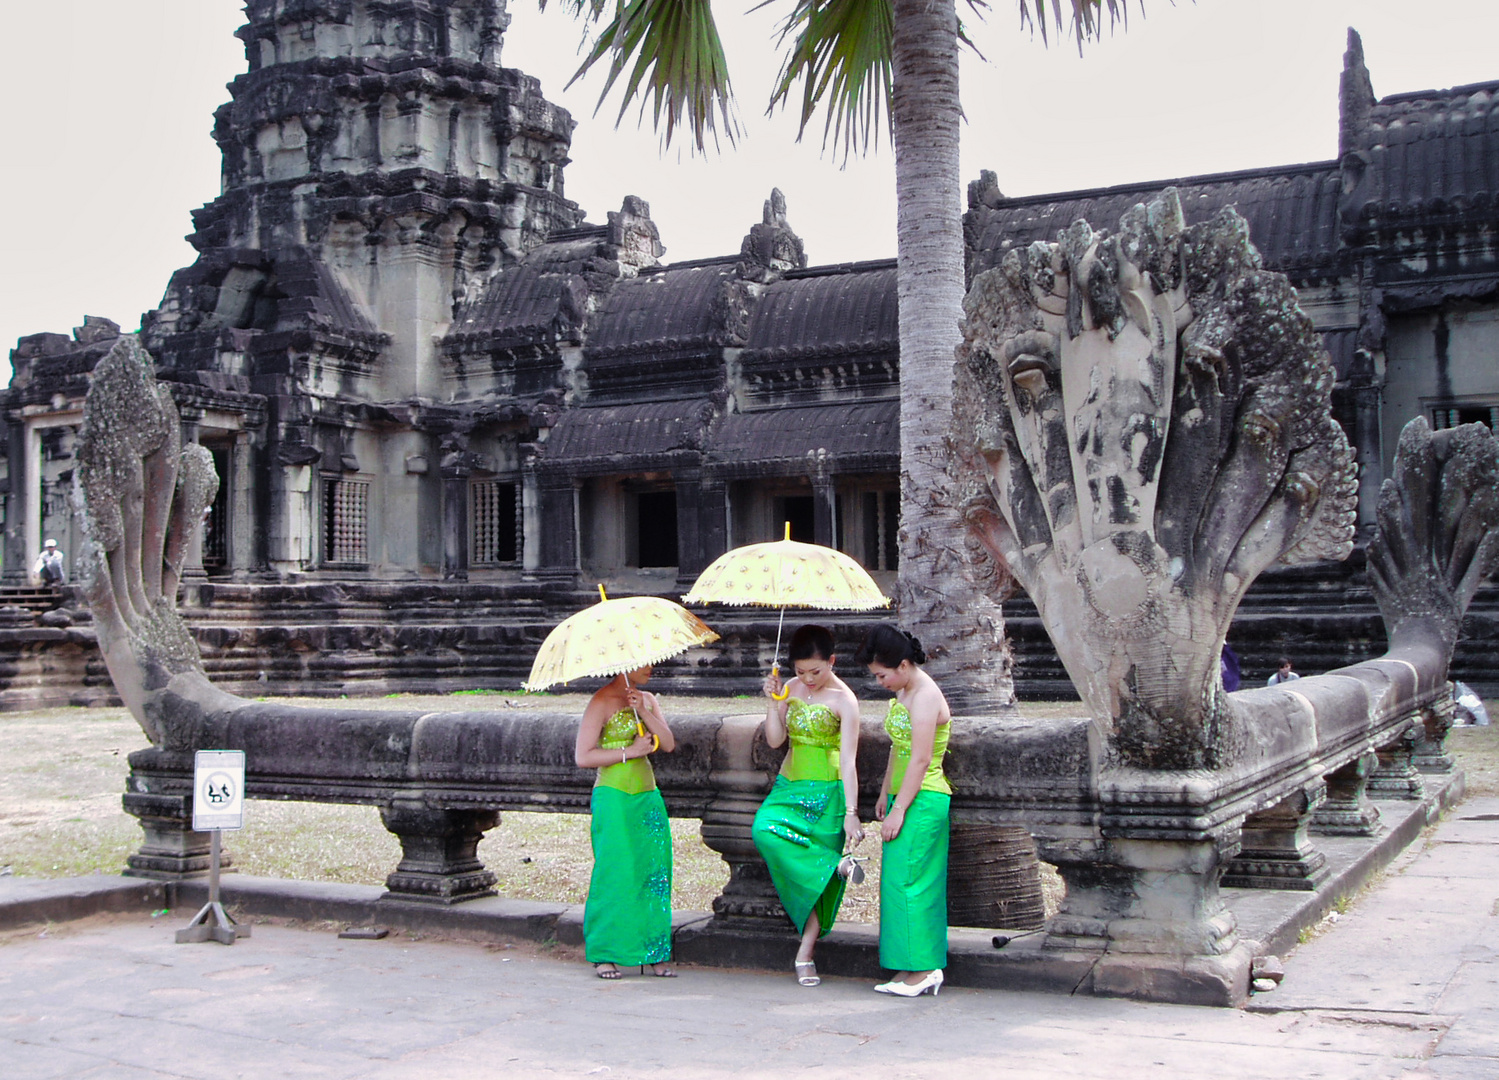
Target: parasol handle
775	667
639	725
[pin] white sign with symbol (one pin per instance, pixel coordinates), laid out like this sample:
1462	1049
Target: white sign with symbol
218	790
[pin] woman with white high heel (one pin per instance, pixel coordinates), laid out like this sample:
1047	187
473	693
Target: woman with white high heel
913	811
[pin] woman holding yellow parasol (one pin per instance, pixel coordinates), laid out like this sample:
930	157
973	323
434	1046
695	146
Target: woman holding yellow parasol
811	816
627	918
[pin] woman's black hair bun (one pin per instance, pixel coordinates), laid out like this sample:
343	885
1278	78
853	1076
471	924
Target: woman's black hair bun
917	653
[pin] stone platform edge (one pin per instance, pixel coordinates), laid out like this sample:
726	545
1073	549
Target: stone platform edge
1273	925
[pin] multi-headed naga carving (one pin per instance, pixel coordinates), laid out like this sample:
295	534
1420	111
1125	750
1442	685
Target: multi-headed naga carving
1143	426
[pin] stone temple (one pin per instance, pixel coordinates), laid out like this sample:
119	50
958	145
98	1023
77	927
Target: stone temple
443	405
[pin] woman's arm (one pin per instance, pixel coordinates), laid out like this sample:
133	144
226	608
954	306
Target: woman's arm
879	804
924	709
775	710
848	766
649	710
587	753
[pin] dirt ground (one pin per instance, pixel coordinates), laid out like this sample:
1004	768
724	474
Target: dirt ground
64	769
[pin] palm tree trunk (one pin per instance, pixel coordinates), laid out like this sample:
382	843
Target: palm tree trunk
961	628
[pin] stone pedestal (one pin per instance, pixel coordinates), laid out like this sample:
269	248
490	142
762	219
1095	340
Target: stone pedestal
1274	850
1431	755
439	861
172	850
1347	811
748	900
1395	776
1143	896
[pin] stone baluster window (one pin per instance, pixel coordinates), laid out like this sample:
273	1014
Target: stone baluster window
1453	414
495	523
346	521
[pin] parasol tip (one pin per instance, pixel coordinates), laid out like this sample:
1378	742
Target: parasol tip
788	530
602	597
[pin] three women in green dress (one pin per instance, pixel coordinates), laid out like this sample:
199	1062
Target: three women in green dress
913	811
627	918
810	818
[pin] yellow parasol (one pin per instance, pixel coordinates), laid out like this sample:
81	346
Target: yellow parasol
787	573
615	637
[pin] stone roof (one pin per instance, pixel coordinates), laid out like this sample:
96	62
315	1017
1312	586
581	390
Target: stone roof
852	436
619	438
662	310
524	305
1432	152
1292	213
826	311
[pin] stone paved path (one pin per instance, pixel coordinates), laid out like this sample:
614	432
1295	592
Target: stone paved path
1406	985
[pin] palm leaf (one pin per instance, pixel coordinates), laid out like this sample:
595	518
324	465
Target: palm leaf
840	52
676	61
1085	23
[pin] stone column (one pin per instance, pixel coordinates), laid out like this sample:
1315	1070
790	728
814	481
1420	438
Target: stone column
824	510
557	522
701	533
439	860
1366	439
18	554
192	564
456	470
1347	810
243	528
749	899
1395	776
1275	852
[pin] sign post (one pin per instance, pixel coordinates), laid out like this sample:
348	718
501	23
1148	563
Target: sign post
218	804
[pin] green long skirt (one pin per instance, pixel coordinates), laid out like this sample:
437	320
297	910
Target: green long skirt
627	919
913	888
799	832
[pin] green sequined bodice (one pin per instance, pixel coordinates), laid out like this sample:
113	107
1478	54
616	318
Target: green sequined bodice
898	727
619	731
812	724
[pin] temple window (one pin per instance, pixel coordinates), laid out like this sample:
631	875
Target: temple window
494	523
1453	413
796	509
346	521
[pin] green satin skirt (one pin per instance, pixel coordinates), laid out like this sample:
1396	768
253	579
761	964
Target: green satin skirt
627	919
799	832
913	888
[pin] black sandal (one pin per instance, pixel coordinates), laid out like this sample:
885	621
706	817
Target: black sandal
607	969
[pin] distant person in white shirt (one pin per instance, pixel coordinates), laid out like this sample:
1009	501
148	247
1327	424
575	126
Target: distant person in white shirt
50	566
1283	673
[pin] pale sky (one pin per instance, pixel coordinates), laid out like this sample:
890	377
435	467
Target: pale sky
107	146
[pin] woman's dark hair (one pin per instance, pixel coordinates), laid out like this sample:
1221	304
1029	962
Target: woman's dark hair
887	646
811	642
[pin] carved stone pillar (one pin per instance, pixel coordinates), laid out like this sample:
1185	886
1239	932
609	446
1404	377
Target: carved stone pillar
243	526
1395	776
824	510
192	564
701	536
1366	437
455	475
1436	721
1347	810
557	524
439	860
172	850
18	553
1274	851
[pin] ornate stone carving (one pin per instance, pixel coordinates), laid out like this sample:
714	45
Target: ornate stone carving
1143	426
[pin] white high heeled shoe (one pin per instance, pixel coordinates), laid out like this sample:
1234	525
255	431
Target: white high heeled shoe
932	982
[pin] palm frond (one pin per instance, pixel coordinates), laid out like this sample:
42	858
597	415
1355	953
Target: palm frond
840	53
676	63
1084	22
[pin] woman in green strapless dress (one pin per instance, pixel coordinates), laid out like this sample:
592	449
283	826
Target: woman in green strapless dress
912	808
811	815
627	919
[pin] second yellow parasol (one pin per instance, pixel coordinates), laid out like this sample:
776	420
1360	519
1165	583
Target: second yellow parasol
787	573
